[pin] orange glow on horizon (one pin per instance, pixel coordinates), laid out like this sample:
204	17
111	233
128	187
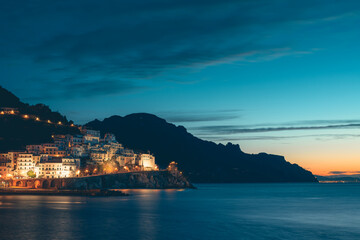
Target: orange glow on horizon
326	164
322	155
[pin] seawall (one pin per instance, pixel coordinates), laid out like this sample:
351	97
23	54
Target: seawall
131	180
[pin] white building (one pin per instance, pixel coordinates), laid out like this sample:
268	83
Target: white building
13	156
126	160
126	157
90	132
58	168
147	161
77	140
91	136
109	137
79	151
5	168
91	139
35	149
99	156
25	163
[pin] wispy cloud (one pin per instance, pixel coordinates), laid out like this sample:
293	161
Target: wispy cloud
200	116
343	172
232	138
75	89
293	126
144	39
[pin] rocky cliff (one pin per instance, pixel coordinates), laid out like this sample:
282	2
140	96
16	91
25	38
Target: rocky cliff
202	161
147	180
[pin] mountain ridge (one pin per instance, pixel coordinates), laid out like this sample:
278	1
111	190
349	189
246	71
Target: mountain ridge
201	160
17	131
8	99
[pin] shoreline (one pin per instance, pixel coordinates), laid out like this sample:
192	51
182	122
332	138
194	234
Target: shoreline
47	192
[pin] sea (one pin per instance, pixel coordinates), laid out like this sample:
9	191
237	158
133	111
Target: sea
212	211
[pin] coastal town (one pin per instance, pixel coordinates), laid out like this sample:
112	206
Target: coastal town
68	156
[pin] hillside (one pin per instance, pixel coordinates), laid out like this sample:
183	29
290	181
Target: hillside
7	99
30	125
202	161
17	132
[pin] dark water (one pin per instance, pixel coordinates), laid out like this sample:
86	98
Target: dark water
233	211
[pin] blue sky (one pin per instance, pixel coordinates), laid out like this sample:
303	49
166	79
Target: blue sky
275	76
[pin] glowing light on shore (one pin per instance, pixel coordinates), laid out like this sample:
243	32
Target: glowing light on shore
48	121
37	119
59	123
26	116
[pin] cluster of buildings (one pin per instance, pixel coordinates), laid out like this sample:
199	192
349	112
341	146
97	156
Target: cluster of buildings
70	155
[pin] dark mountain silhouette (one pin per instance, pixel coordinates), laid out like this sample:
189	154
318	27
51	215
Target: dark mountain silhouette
16	131
201	161
9	100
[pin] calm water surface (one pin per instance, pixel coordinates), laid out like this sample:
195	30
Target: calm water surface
229	211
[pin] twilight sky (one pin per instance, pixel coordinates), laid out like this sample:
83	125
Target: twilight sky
277	76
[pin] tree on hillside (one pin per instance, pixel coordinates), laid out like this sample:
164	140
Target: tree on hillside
31	174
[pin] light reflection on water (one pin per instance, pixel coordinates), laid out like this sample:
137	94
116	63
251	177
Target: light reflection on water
232	211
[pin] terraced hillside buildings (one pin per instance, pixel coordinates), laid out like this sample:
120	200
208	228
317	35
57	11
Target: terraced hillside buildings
73	156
